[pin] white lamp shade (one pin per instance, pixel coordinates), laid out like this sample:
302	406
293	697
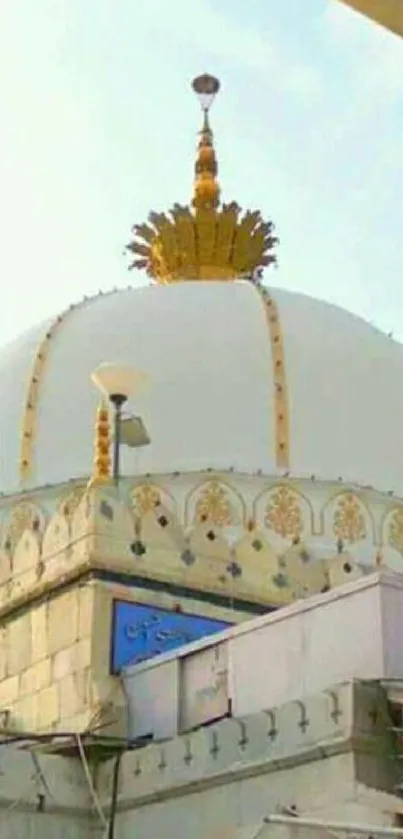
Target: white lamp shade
118	379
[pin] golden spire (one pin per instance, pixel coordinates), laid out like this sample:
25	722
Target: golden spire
102	461
204	241
206	193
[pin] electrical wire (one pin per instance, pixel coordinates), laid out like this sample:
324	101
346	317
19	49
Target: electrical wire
91	787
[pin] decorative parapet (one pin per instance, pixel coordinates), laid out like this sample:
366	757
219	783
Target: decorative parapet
337	721
150	542
261	540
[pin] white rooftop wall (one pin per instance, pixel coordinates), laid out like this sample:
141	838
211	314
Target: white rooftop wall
353	632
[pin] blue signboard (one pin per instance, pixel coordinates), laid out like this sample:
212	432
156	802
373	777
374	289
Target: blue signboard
142	632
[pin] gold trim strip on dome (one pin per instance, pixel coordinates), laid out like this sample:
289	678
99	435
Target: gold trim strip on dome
29	420
31	405
281	406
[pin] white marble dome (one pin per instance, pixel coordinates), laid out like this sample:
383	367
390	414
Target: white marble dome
213	401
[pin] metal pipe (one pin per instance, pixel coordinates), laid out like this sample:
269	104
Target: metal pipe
116	443
117	400
337	827
114	796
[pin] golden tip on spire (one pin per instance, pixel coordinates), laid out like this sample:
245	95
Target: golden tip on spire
203	240
206	193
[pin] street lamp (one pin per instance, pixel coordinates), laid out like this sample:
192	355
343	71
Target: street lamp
118	382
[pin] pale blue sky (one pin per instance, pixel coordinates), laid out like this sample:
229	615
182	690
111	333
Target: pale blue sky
98	126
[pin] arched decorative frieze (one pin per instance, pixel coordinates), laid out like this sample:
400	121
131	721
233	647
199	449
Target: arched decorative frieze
285	512
22	517
145	497
347	520
159	528
342	569
392	538
306	573
216	502
207	540
257	562
57	536
393	529
255	544
159	537
207	559
68	505
5	577
379	558
158	544
26	559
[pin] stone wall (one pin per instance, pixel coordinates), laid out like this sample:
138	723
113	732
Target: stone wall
55	659
45	661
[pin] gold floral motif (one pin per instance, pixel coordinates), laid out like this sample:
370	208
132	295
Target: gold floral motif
24	516
348	519
68	505
145	498
284	513
396	529
214	505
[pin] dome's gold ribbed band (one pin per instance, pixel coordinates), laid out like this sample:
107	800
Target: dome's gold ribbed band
280	400
29	420
30	411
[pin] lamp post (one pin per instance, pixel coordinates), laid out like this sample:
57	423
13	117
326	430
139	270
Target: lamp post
117	382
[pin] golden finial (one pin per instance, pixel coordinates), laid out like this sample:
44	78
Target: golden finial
204	241
102	460
206	190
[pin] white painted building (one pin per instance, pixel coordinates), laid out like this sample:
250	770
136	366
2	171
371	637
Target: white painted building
223	744
265	503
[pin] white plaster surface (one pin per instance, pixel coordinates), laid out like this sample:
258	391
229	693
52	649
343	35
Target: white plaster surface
206	348
238	773
59	781
350	633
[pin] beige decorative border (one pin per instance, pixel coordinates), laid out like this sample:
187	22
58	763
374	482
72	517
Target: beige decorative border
281	406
